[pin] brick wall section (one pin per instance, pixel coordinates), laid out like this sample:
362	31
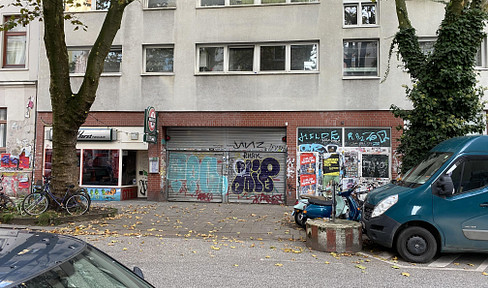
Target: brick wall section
289	120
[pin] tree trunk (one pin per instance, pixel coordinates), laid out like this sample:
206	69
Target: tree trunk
71	109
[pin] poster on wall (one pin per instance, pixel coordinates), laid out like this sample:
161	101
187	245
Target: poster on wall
331	165
351	161
375	166
308	170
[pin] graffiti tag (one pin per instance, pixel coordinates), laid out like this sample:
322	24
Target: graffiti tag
255	175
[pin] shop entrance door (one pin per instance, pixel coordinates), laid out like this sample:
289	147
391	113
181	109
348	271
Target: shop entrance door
141	175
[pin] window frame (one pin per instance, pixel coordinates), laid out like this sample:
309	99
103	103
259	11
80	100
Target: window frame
461	164
146	6
228	3
359	22
144	62
88	48
6	35
484	55
356	76
3	146
256	58
92	8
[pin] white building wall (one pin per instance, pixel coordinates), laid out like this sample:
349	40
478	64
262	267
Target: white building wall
189	25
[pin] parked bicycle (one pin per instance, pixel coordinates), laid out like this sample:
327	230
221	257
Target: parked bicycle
75	203
5	201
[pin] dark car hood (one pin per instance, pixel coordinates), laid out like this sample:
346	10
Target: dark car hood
26	254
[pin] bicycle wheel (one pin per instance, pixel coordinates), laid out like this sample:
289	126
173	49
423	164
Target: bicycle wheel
6	203
35	204
77	205
85	193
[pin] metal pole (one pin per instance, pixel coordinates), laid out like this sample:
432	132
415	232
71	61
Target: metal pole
333	200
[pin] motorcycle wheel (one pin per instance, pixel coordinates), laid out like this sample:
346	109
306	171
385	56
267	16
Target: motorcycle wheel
300	219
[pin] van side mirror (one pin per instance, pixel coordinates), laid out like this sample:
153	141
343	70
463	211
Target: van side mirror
138	272
444	186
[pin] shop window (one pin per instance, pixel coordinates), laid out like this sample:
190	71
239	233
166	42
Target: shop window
78	59
250	2
3	129
129	164
283	57
48	158
14	46
360	58
158	59
100	167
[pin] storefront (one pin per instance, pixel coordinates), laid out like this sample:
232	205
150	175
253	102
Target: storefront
113	161
224	164
365	154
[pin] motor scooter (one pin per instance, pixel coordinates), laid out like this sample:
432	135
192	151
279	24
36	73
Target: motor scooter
349	209
305	200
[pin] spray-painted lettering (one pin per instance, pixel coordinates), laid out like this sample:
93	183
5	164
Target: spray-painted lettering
255	175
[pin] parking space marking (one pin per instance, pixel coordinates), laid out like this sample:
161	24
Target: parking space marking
443	261
483	266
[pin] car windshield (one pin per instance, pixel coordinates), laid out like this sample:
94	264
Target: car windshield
423	171
91	268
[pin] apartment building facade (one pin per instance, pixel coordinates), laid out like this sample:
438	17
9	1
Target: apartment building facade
18	93
251	97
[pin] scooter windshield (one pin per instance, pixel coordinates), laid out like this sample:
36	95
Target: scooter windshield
423	171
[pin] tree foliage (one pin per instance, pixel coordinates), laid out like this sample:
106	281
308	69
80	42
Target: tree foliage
70	108
446	99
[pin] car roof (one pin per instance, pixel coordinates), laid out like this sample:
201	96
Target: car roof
464	144
26	254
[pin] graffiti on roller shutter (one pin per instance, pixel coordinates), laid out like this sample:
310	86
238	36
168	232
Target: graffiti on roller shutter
255	175
194	177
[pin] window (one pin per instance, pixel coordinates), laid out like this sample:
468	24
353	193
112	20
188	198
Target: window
481	57
161	3
469	174
100	167
158	59
3	129
87	5
427	45
250	2
14	46
282	57
78	58
361	58
357	13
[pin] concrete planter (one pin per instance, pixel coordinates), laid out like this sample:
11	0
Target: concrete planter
340	236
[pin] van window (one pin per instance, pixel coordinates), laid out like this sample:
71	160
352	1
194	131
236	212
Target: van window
422	172
471	173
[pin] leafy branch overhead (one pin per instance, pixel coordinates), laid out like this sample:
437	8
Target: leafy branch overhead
446	99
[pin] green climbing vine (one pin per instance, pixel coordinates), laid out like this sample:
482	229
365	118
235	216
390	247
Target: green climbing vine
447	102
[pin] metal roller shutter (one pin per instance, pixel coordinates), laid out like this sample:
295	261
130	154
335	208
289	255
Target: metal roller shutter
226	164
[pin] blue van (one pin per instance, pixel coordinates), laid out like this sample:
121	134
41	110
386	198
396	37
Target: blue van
441	205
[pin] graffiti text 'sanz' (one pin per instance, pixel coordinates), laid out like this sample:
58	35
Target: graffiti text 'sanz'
247	145
255	175
262	146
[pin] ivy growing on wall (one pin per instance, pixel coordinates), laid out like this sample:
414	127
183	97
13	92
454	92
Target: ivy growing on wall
447	102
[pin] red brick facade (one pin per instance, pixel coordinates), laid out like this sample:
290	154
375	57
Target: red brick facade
290	120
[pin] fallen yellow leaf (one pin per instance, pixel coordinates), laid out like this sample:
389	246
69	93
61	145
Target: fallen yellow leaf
360	267
124	249
484	273
214	248
278	264
405	274
395	267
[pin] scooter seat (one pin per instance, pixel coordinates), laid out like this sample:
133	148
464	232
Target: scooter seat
320	202
308	197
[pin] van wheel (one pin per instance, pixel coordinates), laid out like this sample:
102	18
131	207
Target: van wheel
416	244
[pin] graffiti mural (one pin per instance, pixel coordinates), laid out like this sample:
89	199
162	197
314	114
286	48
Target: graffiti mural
111	194
16	183
255	175
195	174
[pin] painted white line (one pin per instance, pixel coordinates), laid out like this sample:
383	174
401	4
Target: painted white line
483	266
443	261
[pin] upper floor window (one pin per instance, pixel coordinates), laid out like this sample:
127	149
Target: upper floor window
160	3
427	45
359	13
361	58
158	59
78	59
250	2
3	129
276	57
87	5
481	55
14	46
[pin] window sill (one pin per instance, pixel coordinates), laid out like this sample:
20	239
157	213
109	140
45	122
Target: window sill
360	26
256	5
236	73
361	77
158	8
158	74
103	75
14	68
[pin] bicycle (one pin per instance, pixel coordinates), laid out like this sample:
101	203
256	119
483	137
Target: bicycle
75	203
5	201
